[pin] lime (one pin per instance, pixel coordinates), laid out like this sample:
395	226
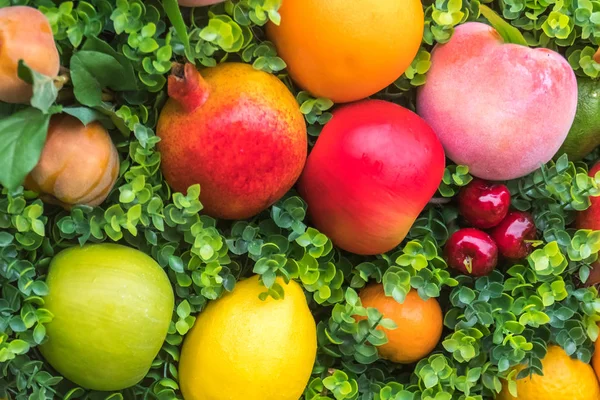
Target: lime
584	135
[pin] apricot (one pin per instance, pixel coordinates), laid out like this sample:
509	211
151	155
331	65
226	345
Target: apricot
25	34
79	164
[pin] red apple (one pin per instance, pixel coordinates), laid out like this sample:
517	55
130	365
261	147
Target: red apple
484	204
501	109
594	277
515	235
372	171
472	252
590	219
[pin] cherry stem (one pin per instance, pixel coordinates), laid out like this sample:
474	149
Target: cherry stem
534	243
468	264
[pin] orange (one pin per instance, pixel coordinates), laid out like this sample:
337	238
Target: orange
419	324
347	50
564	378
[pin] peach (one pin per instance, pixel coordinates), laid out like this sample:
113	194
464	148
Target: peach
79	164
25	34
501	109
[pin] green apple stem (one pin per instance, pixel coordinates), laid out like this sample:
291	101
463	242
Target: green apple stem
187	87
468	264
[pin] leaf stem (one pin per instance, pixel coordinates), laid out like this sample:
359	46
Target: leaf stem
440	200
374	326
174	13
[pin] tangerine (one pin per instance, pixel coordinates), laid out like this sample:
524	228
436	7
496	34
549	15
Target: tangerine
344	50
564	378
419	324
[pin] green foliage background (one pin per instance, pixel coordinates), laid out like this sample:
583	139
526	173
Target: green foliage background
491	324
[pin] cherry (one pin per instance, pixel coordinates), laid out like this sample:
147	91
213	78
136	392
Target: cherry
515	235
471	251
484	204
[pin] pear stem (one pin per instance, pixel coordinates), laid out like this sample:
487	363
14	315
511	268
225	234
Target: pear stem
187	87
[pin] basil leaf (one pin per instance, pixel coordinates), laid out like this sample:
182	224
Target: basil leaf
92	71
87	115
8	109
127	79
22	138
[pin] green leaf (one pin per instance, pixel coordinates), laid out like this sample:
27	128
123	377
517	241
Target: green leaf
87	115
92	71
127	79
44	90
18	346
183	309
509	33
22	138
39	333
174	13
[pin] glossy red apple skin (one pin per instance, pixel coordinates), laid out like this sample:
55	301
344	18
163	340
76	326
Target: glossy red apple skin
484	204
512	234
470	245
372	171
590	219
501	109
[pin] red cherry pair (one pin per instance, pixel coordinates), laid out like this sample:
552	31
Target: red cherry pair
486	205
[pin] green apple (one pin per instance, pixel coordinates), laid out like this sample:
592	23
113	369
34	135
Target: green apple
112	307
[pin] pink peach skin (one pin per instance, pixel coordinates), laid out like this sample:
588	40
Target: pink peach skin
501	109
198	3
